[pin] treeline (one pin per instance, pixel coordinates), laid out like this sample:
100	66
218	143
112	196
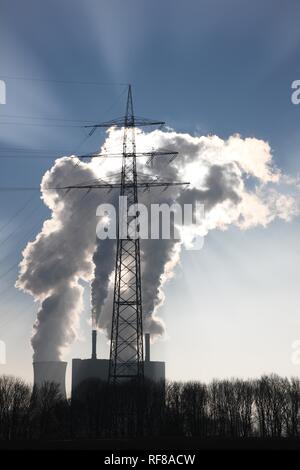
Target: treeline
268	407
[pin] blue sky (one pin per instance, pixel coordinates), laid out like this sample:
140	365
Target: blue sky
218	66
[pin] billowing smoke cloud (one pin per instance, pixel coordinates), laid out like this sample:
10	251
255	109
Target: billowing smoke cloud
235	179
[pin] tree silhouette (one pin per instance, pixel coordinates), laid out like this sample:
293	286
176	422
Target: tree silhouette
265	408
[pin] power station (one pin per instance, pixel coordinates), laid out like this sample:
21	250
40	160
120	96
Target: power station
85	369
127	343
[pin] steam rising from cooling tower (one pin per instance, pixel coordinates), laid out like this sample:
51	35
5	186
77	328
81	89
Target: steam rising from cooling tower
235	179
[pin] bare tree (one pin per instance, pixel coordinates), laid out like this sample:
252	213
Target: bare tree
292	414
194	408
266	408
49	412
14	405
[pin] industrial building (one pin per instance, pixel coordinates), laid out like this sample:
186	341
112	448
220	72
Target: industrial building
84	369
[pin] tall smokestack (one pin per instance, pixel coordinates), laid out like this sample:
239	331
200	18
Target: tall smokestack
50	371
147	347
94	344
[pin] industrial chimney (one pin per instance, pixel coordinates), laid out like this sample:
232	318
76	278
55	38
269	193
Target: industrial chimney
147	347
50	371
94	344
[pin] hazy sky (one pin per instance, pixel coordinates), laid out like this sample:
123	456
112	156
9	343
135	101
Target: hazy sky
215	66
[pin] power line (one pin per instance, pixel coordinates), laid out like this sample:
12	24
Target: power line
23	207
10	269
68	82
28	149
11	234
9	318
21	240
37	124
14	265
10	290
33	157
46	118
16	214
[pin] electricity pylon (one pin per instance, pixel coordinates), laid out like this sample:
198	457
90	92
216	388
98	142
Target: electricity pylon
126	346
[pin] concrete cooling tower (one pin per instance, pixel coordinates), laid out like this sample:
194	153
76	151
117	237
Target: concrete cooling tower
50	371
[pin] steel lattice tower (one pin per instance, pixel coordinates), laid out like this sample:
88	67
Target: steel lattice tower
126	347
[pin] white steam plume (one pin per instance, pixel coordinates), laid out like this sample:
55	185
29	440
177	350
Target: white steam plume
235	179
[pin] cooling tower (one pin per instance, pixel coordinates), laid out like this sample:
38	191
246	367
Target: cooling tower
50	371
